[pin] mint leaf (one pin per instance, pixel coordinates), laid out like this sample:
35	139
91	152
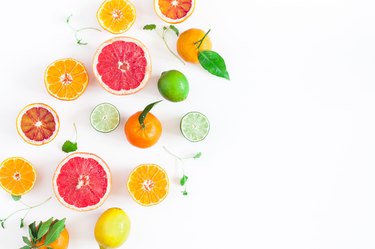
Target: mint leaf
16	197
198	155
43	229
184	192
22	224
213	63
69	146
172	27
55	231
183	180
149	27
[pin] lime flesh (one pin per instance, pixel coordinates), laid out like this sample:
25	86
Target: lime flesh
173	86
194	126
105	117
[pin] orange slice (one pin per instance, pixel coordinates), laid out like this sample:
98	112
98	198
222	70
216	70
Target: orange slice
66	79
37	124
174	11
116	16
17	176
148	184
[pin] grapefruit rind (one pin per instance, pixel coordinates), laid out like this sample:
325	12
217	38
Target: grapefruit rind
19	119
170	20
84	155
147	70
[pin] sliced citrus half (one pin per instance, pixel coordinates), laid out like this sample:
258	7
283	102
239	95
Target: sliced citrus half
174	11
194	126
116	16
105	117
82	181
66	79
148	184
37	124
17	176
122	65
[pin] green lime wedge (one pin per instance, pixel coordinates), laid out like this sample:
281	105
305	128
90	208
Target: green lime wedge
194	126
105	117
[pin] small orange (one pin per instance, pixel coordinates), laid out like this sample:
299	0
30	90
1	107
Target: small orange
17	176
148	184
66	79
188	42
116	16
62	242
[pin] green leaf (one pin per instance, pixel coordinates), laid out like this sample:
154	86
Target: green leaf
149	27
198	155
26	240
54	232
172	27
142	117
184	192
69	146
43	229
213	63
16	197
68	19
32	231
183	180
2	223
22	224
26	247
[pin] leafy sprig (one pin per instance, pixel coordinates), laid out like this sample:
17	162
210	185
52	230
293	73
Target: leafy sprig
43	234
27	210
165	30
78	39
70	146
181	161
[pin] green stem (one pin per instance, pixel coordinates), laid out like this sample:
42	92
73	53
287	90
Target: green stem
201	40
166	44
76	133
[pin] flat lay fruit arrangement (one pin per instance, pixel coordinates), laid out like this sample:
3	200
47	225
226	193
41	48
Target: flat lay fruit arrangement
122	66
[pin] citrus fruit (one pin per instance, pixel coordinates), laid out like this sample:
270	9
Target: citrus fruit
17	176
188	42
112	228
66	79
116	16
38	124
194	126
82	181
143	129
122	65
174	11
173	86
148	184
105	117
62	242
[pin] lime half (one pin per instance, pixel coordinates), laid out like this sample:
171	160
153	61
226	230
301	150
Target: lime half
105	117
194	126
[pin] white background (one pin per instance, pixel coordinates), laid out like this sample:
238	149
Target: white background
289	162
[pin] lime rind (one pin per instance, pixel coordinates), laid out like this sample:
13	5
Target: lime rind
105	118
194	126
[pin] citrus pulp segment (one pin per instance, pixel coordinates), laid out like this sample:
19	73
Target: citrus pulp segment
174	11
17	176
66	79
82	181
148	184
37	124
116	16
122	65
105	117
194	126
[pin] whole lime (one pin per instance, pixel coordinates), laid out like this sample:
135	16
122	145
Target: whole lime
173	86
112	228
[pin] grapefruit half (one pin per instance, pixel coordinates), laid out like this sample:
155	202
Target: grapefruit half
122	65
37	124
174	11
82	181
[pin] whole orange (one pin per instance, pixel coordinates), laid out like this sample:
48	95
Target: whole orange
62	241
143	137
188	42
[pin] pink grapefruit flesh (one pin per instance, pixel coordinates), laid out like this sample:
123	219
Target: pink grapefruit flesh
122	65
82	181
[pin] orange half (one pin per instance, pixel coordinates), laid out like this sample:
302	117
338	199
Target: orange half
66	79
174	11
17	176
116	16
148	184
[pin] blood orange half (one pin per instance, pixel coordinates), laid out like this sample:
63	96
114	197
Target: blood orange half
122	65
37	124
82	181
174	11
